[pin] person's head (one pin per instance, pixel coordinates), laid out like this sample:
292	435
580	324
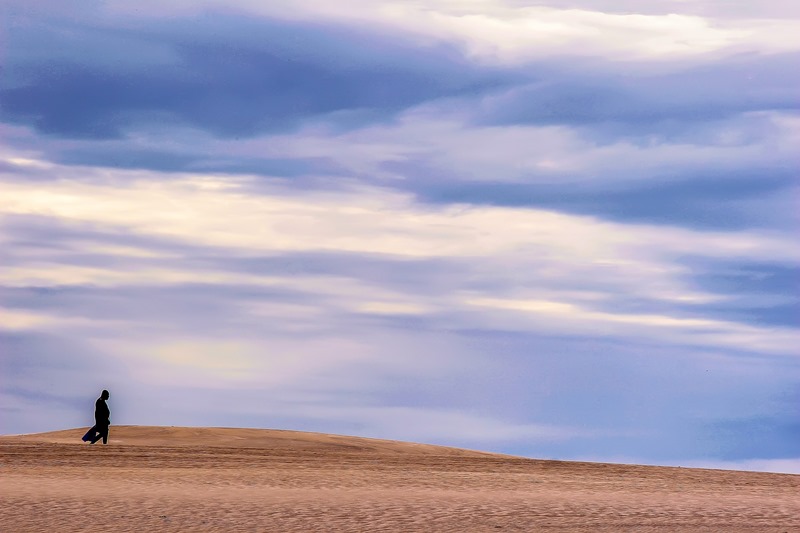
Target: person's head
104	395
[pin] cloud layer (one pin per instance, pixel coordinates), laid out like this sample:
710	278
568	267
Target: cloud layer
563	231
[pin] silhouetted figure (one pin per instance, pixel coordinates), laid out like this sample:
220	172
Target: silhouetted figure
102	419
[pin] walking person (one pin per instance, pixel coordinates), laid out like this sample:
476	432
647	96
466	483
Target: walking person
102	419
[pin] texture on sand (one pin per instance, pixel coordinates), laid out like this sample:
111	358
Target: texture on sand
215	479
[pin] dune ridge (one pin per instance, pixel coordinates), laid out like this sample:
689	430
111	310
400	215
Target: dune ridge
229	479
243	438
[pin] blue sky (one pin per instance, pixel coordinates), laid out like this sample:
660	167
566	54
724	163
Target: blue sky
563	230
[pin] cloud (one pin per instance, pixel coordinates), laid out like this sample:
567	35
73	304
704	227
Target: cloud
231	87
560	316
697	182
508	32
215	211
756	292
553	252
215	71
649	102
717	179
429	146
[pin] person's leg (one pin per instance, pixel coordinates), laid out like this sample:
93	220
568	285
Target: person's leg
102	433
90	434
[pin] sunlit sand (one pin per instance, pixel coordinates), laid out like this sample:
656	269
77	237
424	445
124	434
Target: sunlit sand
213	479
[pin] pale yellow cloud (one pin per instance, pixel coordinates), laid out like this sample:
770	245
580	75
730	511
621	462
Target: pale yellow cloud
251	361
392	308
553	265
15	320
38	320
219	359
226	213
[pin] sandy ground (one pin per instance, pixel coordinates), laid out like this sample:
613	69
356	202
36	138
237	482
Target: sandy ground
210	479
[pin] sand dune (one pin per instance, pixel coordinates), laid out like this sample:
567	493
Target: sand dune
272	439
222	479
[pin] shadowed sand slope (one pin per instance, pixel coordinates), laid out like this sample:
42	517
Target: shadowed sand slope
222	479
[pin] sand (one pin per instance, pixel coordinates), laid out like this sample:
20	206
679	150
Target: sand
212	479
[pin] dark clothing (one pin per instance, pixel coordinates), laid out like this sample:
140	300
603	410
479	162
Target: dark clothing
102	433
89	434
102	416
102	419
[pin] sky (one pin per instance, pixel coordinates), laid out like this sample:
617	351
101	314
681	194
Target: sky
561	229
